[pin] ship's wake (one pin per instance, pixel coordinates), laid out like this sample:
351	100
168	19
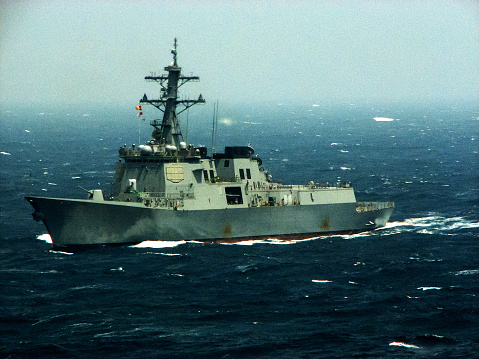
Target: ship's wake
158	244
432	225
424	225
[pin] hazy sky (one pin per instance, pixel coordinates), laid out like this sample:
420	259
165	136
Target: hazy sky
243	51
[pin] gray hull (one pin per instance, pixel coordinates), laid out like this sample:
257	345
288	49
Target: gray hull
72	222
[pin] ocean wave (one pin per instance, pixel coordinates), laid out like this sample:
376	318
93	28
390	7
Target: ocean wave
405	345
165	254
468	272
429	288
61	252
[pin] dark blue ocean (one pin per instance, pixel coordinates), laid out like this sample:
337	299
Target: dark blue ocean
409	290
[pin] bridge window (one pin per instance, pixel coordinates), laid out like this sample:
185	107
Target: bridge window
248	173
241	172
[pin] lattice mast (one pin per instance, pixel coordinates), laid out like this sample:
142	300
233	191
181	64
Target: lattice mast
168	132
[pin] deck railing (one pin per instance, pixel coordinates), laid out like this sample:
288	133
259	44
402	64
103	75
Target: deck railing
372	206
167	195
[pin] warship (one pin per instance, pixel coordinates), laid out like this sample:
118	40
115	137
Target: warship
168	190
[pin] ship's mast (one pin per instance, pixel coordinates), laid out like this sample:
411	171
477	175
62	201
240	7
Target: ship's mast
167	132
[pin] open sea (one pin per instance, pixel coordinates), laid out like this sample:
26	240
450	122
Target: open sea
409	290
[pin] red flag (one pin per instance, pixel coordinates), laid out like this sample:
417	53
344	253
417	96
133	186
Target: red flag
138	108
140	114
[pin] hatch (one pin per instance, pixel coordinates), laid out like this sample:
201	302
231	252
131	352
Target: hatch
233	195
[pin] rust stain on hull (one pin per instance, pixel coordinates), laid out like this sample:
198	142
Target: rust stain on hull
227	231
324	225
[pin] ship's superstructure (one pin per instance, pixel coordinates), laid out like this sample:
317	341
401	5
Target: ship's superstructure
169	190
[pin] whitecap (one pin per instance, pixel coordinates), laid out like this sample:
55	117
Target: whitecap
383	119
401	344
468	272
164	254
61	252
429	288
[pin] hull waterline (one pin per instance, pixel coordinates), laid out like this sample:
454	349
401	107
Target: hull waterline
73	222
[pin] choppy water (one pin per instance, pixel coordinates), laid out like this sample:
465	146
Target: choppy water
408	290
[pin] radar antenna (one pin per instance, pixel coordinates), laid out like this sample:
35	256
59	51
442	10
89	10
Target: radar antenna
173	51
